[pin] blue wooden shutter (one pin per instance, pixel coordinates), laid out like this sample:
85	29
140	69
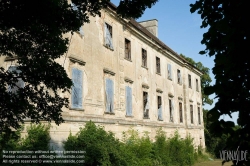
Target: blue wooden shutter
108	38
77	89
128	101
160	113
109	95
19	84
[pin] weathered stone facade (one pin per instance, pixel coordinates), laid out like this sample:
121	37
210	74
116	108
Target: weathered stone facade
92	56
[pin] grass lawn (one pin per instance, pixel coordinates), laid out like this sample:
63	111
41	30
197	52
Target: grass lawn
213	163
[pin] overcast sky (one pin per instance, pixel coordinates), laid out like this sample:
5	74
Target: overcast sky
180	30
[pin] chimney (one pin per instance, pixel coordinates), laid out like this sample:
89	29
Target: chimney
151	26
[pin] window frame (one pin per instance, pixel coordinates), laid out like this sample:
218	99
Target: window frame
110	30
127	47
145	105
199	116
180	112
189	81
197	85
158	65
171	111
191	114
144	58
80	97
179	80
159	108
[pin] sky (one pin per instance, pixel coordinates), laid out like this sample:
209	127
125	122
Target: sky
180	30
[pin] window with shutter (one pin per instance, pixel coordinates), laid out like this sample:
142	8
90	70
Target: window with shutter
19	84
108	36
77	89
128	101
109	95
159	108
169	72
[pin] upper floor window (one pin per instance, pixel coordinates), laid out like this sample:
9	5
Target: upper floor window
197	85
169	72
108	36
189	81
144	57
145	105
127	49
77	89
180	112
158	65
179	77
191	114
159	103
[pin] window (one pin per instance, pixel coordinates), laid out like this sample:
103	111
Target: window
128	101
180	112
191	114
179	76
171	110
127	49
77	89
109	96
169	72
19	84
158	65
159	103
189	81
108	36
199	116
197	85
144	57
145	105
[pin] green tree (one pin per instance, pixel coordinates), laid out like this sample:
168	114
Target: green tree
32	32
205	79
227	39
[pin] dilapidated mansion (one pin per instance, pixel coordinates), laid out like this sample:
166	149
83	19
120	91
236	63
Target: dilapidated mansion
124	77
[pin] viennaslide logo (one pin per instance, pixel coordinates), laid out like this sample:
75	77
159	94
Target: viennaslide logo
238	155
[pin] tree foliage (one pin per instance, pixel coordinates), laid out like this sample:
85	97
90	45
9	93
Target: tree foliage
204	81
33	33
227	39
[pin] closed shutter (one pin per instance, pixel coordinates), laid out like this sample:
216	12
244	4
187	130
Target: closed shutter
77	89
109	95
128	101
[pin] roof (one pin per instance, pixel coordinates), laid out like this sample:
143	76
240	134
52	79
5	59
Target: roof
153	37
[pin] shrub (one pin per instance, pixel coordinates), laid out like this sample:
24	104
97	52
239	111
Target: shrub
101	147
